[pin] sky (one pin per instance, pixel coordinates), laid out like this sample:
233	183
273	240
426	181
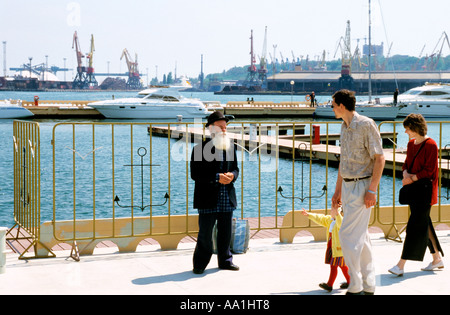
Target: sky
175	33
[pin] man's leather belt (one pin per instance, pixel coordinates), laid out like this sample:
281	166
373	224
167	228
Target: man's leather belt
355	179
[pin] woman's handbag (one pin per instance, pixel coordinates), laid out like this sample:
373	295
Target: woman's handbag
417	192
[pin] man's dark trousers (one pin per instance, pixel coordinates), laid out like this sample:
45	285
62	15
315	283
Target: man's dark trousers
204	249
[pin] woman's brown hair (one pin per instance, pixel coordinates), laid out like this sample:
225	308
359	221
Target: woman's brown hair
416	123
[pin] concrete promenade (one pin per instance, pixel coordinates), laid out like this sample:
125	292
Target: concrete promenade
268	268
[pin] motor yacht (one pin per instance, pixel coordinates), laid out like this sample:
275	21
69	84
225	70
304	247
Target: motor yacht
156	103
10	110
432	100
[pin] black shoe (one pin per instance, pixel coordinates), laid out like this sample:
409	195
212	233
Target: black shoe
368	293
198	271
344	285
230	267
326	287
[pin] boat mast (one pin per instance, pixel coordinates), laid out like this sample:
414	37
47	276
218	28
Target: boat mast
370	54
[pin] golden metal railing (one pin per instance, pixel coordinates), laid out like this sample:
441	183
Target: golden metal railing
99	169
27	212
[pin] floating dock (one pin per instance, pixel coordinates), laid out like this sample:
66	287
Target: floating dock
62	109
286	145
269	109
78	109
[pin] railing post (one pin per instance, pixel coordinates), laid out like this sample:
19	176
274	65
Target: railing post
3	249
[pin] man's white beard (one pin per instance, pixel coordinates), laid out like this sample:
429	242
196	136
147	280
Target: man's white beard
221	141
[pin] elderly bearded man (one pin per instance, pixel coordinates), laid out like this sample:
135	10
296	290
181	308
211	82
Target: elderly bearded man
214	169
360	169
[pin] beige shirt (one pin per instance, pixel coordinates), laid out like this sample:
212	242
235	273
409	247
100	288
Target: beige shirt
360	142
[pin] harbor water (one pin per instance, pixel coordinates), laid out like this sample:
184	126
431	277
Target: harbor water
254	181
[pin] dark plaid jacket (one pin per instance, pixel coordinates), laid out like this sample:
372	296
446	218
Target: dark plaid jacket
206	163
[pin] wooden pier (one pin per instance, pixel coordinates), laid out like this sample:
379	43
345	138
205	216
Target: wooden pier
62	109
269	109
334	137
282	129
74	108
301	145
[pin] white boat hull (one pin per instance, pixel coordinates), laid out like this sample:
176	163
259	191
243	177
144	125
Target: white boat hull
428	109
12	112
157	103
429	100
375	112
135	111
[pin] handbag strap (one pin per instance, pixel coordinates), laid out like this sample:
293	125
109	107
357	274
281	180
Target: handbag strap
412	164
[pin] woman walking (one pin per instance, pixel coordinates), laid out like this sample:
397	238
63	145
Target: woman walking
421	162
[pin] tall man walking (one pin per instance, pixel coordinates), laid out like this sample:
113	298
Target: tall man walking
360	169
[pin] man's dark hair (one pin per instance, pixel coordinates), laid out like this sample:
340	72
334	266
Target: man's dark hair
345	97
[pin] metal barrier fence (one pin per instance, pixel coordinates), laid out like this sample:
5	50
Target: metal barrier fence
259	146
27	212
132	180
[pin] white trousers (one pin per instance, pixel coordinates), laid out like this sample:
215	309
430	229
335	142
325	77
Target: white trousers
354	237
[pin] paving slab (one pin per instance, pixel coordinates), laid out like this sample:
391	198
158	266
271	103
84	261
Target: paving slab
268	268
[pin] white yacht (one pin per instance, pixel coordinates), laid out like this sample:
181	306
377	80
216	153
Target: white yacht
432	100
10	110
156	103
376	112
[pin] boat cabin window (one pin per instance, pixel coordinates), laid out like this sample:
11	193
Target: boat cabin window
170	99
433	93
165	98
154	97
412	92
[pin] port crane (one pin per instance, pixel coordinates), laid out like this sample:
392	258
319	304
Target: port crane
321	63
414	67
80	81
433	59
252	71
284	65
90	77
262	71
346	80
134	80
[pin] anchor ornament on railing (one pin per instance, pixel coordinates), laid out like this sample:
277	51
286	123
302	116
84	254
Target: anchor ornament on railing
302	198
142	152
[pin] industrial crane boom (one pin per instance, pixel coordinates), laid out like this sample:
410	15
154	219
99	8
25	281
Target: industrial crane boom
85	77
76	45
132	66
90	56
134	81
